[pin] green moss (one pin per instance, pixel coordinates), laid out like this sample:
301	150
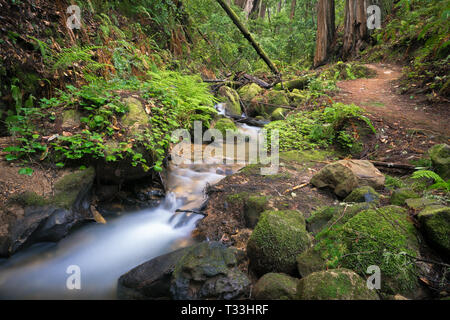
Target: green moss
305	156
136	118
249	91
399	196
310	261
440	157
225	124
374	237
277	239
253	207
420	203
75	180
237	197
338	284
436	223
70	118
231	99
363	194
393	183
278	114
29	199
275	286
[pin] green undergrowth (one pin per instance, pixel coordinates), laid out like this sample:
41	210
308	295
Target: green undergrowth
169	101
318	128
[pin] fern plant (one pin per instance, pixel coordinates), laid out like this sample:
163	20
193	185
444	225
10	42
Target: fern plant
439	183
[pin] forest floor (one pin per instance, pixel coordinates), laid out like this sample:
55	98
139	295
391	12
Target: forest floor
407	124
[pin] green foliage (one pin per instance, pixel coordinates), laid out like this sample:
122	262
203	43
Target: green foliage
319	128
176	101
439	183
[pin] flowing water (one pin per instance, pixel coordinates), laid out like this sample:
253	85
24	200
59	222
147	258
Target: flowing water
103	252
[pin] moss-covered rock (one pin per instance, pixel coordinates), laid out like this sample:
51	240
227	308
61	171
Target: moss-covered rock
225	124
399	196
297	97
310	261
420	203
253	207
375	237
337	284
265	104
276	241
275	286
208	271
327	216
71	119
231	100
345	175
278	114
363	194
435	220
136	119
440	157
249	91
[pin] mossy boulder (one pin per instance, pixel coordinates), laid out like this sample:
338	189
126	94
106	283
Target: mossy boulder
225	124
278	114
337	284
440	157
297	97
276	241
363	194
327	216
296	84
253	207
345	175
209	271
265	104
310	261
29	218
275	286
435	220
71	119
420	203
378	237
136	119
249	91
399	196
231	100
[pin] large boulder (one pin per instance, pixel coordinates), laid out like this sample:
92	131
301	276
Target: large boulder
337	284
435	220
345	175
150	280
249	91
209	271
383	237
440	157
277	239
231	100
275	286
28	218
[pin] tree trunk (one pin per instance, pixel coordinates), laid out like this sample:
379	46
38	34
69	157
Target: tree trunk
263	9
247	35
325	31
254	12
355	32
293	5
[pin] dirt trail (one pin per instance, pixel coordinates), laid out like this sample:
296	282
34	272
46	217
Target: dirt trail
378	97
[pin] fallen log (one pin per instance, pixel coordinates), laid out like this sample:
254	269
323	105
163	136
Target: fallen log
391	165
233	16
259	82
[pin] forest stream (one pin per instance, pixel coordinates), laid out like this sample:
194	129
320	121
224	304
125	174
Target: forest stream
105	251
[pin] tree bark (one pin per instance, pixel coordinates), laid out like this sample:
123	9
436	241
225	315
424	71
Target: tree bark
293	5
263	9
247	35
355	32
325	31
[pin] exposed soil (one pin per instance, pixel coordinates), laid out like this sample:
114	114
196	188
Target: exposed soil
407	125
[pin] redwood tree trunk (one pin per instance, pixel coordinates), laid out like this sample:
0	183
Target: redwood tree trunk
356	32
325	31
